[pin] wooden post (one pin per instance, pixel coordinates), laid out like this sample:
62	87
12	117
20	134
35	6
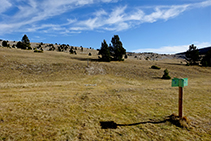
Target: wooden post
180	101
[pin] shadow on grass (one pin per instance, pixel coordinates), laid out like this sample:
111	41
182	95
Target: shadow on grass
173	119
86	59
178	64
113	125
91	59
157	78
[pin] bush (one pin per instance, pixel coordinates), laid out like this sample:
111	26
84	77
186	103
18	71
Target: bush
71	51
166	74
126	56
38	51
155	67
4	43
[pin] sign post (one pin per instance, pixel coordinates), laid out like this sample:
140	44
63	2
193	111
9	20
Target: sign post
180	82
180	101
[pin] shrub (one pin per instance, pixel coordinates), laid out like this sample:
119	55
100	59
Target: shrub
4	43
187	64
155	67
166	74
71	51
126	56
147	58
38	51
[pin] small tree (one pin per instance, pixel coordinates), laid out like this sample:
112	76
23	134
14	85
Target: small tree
25	42
4	43
105	52
206	61
192	55
166	74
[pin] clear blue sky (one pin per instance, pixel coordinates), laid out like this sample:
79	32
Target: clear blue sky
162	26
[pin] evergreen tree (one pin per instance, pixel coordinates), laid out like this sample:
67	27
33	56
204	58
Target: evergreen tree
25	42
206	61
118	50
192	55
105	52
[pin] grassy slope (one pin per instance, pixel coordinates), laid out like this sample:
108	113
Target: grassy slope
55	95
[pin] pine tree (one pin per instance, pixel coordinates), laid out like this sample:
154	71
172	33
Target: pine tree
192	55
118	49
25	42
105	52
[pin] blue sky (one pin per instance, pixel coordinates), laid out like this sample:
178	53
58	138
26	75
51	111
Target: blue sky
161	26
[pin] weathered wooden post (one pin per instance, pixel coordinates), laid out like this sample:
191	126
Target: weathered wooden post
180	82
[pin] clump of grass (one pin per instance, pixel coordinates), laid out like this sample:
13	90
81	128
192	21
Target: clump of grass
183	122
166	74
155	67
38	51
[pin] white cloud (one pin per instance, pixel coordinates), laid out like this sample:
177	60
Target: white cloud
5	4
173	49
201	4
165	49
118	19
33	12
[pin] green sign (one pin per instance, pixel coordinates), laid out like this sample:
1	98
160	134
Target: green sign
179	82
175	82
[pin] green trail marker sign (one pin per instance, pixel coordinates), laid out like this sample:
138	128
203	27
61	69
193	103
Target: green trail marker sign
180	82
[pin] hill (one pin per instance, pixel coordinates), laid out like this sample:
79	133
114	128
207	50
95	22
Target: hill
61	96
54	47
202	51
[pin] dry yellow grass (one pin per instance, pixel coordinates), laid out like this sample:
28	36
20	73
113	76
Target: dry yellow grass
55	96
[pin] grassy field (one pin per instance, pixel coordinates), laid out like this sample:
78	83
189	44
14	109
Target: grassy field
58	96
